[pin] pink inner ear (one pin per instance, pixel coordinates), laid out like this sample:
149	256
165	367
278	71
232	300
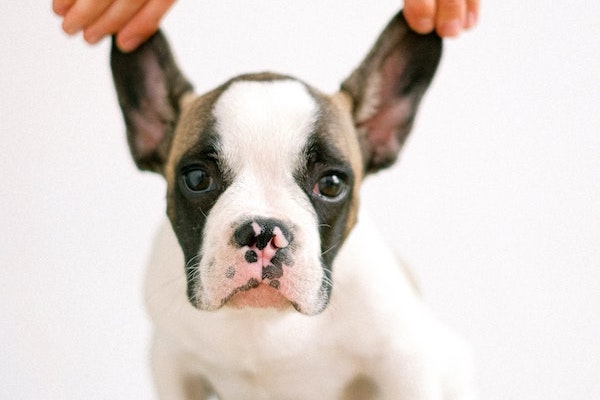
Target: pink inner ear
150	132
391	72
392	112
150	120
382	128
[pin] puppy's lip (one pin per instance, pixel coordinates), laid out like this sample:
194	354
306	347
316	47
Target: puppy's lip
261	296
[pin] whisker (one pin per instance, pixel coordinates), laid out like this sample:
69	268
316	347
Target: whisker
333	246
328	280
191	261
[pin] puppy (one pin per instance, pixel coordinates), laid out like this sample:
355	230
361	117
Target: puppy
264	285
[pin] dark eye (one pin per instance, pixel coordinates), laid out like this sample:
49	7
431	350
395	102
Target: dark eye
197	180
330	186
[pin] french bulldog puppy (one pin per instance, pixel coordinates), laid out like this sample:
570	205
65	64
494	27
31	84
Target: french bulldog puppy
264	284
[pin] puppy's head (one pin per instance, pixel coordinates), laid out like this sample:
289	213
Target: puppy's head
263	171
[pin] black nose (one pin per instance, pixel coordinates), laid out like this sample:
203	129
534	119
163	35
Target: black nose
261	231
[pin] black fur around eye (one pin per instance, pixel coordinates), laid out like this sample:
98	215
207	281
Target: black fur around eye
197	180
330	186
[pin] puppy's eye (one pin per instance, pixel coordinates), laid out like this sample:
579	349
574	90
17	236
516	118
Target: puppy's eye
197	180
330	186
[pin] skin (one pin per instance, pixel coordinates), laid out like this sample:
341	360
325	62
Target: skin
133	21
448	17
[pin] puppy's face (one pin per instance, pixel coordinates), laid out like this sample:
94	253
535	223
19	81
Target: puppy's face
263	172
262	182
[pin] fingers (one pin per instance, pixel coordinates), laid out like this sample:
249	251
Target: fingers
132	20
472	13
135	20
112	20
60	7
143	24
82	13
447	17
420	14
450	17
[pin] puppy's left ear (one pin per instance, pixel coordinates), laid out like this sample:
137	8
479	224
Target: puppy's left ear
150	88
387	87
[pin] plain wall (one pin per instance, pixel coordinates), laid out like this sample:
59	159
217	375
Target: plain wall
495	202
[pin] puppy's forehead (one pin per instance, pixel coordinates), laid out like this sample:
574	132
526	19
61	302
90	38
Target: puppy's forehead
258	121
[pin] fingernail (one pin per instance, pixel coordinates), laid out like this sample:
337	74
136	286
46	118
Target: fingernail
424	25
60	11
92	38
471	19
129	44
450	28
70	29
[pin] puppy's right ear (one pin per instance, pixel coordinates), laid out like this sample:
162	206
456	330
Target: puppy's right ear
150	88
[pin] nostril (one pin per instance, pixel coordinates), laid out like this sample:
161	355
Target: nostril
263	240
262	232
245	235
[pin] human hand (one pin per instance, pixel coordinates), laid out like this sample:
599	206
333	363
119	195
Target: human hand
133	21
447	17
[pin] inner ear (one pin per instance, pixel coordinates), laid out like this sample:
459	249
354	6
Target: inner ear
387	88
150	88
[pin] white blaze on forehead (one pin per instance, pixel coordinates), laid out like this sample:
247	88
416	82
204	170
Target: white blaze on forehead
263	128
264	124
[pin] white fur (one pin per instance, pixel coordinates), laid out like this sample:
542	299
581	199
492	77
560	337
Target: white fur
264	124
375	327
263	128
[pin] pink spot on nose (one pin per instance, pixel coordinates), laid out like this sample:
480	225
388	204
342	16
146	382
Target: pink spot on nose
269	252
256	228
279	239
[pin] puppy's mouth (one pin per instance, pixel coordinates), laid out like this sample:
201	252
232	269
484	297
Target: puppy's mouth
257	294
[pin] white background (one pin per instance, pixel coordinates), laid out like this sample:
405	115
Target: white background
495	202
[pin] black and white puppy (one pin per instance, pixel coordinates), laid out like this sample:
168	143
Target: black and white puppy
264	285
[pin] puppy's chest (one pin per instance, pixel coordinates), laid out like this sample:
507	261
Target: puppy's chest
313	374
290	357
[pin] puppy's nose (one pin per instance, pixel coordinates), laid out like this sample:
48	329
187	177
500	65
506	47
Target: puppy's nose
261	232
